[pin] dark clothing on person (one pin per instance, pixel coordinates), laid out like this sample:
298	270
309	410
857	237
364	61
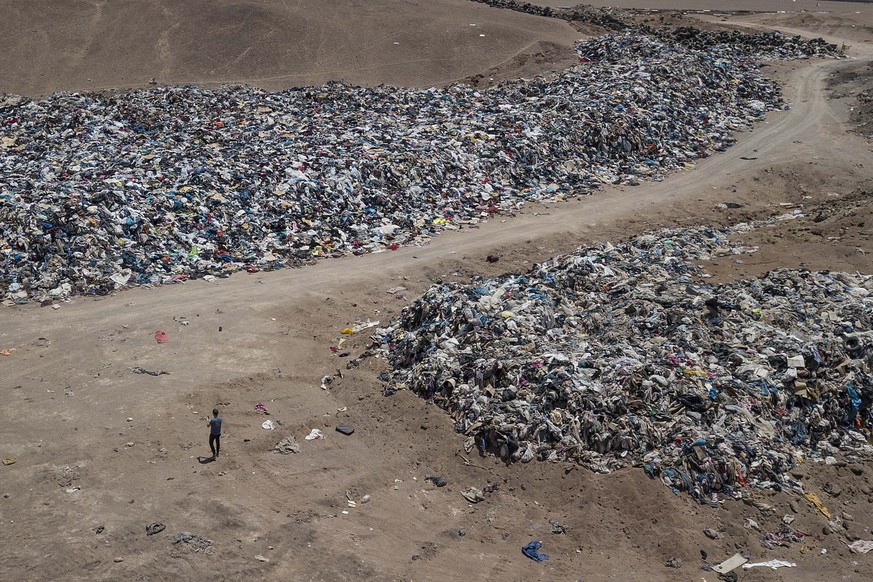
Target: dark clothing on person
215	435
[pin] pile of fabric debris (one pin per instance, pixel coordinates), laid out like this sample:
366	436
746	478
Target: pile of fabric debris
158	186
625	355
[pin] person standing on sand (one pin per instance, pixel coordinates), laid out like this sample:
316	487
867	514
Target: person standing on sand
214	433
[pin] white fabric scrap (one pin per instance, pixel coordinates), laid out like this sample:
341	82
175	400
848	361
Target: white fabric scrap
314	434
770	564
861	546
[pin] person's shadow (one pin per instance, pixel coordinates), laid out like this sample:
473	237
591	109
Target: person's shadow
205	460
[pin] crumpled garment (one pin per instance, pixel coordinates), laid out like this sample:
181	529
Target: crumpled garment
154	528
861	546
139	370
287	445
819	504
193	539
437	480
773	564
784	537
713	534
473	494
532	551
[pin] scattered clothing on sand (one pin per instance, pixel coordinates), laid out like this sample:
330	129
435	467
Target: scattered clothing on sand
532	551
287	445
193	539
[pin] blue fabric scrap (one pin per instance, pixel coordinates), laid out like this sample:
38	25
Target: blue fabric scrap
532	551
853	396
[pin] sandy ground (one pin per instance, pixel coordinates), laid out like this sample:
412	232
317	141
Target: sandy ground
130	448
80	45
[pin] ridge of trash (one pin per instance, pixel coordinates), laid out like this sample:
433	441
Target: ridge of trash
764	45
157	186
613	19
618	355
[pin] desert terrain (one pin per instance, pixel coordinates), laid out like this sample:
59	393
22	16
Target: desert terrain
85	45
97	446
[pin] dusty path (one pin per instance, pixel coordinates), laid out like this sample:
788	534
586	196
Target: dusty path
75	415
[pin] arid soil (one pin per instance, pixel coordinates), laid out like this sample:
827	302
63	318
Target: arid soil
97	445
84	45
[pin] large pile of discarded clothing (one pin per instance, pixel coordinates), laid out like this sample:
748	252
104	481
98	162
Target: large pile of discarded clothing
609	18
618	355
155	186
760	46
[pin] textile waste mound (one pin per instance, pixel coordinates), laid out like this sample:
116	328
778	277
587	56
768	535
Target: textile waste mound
156	186
624	355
